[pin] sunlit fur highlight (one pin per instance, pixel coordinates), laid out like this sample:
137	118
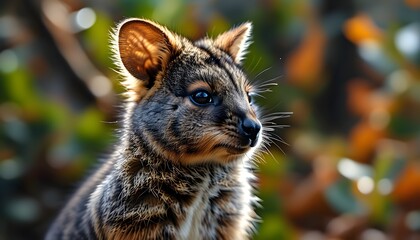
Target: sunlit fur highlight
237	47
135	89
179	170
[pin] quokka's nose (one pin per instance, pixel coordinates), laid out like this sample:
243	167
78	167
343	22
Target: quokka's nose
250	130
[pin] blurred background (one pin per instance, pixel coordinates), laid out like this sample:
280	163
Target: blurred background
348	70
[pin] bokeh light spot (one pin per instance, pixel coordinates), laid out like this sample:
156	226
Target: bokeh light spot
84	18
385	186
100	86
8	61
10	169
407	40
413	220
365	185
398	81
353	170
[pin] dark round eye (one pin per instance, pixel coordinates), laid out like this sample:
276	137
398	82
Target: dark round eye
250	98
201	98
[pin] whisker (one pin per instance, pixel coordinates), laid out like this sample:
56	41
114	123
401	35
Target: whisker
259	74
278	139
256	65
272	155
258	158
264	86
259	95
267	150
267	83
278	113
273	128
269	120
271	142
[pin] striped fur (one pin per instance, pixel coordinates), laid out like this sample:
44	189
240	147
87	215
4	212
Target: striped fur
181	170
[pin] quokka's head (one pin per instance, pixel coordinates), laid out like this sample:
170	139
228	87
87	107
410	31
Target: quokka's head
189	101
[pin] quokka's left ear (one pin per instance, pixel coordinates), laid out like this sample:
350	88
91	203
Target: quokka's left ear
143	49
235	41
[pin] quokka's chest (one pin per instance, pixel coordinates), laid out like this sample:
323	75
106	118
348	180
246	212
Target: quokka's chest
221	208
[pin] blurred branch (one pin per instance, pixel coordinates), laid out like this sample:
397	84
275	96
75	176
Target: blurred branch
64	52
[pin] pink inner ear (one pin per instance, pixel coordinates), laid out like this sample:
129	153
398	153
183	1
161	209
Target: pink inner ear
143	48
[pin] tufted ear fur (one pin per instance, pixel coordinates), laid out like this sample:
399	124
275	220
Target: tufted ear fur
144	48
235	41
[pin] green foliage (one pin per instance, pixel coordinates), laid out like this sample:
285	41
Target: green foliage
339	66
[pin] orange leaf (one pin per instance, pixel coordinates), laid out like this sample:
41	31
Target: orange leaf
406	191
305	63
363	141
361	28
359	93
413	3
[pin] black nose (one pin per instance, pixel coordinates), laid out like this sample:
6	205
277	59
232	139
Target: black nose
250	130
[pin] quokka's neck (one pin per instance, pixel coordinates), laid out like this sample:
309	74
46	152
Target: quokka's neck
172	182
138	157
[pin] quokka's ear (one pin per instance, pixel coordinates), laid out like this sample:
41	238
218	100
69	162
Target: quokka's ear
143	48
235	41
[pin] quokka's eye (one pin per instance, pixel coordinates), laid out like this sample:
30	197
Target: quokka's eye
250	98
201	98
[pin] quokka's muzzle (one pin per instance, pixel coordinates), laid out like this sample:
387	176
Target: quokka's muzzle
249	130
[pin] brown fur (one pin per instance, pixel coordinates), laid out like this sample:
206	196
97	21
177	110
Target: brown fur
182	169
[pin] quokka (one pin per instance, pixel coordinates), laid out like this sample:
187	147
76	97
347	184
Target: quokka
183	166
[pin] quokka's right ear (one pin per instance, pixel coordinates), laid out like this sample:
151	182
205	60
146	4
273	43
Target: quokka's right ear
143	49
235	41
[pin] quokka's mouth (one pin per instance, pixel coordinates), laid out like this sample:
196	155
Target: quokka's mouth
235	150
232	149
